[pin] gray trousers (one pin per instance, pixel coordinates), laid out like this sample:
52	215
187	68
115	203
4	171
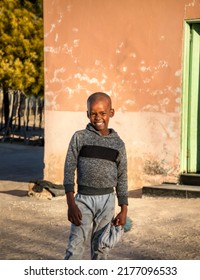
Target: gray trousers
97	212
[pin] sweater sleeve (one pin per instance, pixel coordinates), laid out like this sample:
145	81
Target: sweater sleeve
71	164
122	183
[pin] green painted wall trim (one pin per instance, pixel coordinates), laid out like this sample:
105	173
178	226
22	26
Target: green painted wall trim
190	131
185	88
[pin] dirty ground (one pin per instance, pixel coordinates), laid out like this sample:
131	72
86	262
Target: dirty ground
37	229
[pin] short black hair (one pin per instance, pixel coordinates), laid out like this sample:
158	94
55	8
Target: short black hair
98	96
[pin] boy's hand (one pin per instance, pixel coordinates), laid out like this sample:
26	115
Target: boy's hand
120	219
74	215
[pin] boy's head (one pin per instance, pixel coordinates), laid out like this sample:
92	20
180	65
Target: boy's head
99	111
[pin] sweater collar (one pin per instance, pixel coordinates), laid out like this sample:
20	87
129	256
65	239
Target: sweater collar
91	128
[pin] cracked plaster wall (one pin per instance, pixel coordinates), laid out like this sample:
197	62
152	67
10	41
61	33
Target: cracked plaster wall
131	50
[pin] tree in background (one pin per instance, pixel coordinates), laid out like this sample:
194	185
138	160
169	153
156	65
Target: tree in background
21	49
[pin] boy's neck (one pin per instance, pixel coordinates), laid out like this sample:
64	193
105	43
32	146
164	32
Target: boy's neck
105	133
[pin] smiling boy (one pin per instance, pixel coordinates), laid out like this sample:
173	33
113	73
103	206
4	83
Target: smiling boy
99	156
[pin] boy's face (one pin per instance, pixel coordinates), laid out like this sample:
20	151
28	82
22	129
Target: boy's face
99	112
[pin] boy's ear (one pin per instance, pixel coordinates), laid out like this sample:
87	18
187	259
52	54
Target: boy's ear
112	112
88	115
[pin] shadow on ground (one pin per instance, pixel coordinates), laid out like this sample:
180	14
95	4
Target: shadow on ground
19	193
21	162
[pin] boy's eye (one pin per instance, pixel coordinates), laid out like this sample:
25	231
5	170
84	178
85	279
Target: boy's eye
92	114
96	114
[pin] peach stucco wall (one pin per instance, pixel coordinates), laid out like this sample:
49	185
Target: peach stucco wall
132	50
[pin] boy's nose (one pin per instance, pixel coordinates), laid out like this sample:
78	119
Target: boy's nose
97	116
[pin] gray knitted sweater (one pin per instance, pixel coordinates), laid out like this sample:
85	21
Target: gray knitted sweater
101	164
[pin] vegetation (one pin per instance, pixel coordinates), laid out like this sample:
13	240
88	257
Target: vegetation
21	50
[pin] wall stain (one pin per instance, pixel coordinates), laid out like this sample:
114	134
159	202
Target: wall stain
153	167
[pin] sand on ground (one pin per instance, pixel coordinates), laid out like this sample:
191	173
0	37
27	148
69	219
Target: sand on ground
38	229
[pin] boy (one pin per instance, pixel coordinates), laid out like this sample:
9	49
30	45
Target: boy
98	154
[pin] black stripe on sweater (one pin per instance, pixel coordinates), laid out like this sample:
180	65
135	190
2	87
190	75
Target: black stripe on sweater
91	151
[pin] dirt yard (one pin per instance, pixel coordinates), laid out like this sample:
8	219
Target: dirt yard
38	228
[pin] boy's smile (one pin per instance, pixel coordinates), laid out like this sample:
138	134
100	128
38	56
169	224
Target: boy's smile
99	113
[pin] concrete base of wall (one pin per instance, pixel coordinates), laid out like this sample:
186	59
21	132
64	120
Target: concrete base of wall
171	190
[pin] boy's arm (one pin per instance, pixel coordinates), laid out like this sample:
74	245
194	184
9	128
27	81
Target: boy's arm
74	213
122	188
122	180
71	164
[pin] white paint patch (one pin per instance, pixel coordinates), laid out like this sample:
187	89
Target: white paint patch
165	101
121	45
51	49
130	102
145	69
132	55
69	91
162	38
53	26
75	30
151	108
97	62
178	73
85	77
124	69
161	64
76	60
56	37
169	88
56	72
53	104
67	49
60	70
104	76
60	19
76	43
178	90
69	8
89	80
157	92
191	4
49	93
